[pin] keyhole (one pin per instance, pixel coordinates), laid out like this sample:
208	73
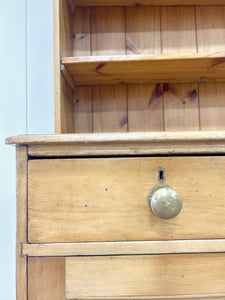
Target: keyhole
161	175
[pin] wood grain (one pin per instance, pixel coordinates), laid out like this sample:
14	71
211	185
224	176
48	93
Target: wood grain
124	248
82	108
63	46
105	199
108	38
143	30
133	277
147	69
211	36
66	107
108	31
210	25
110	108
212	106
145	108
21	231
82	116
151	143
46	278
181	107
82	31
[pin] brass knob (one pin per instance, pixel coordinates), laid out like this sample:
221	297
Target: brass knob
164	202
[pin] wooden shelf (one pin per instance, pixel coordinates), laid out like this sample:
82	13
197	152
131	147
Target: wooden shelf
96	70
144	2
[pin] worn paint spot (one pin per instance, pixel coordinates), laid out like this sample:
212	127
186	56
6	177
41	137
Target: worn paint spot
123	121
131	47
192	95
99	67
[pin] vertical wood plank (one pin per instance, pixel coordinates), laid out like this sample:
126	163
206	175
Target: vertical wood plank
21	234
210	24
143	30
211	38
212	106
66	107
65	29
63	46
181	107
145	107
46	278
108	31
82	107
81	32
178	29
108	38
83	110
109	108
181	104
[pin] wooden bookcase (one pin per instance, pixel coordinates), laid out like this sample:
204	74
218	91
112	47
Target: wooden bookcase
145	65
147	77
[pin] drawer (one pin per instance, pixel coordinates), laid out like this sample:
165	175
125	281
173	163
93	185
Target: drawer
142	276
104	199
180	277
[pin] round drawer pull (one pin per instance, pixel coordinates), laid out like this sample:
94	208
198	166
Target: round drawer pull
164	202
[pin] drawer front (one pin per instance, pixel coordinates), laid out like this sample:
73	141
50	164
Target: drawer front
104	199
137	277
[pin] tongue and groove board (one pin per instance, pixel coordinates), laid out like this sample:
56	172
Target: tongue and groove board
108	38
210	22
153	30
145	103
181	108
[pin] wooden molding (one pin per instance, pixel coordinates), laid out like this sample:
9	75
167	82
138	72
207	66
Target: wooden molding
149	143
124	248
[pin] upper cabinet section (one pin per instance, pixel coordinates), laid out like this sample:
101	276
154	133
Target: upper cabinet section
141	66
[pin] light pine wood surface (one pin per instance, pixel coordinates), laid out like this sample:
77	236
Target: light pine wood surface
21	230
118	69
102	47
122	248
151	143
104	199
133	277
46	278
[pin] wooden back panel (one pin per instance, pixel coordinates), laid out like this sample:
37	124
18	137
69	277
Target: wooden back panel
140	31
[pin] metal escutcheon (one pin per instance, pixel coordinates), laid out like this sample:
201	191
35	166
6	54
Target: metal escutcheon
164	202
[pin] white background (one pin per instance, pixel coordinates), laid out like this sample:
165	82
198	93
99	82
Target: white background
26	106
